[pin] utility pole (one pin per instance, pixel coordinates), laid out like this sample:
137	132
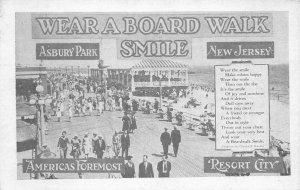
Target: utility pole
72	69
78	68
88	71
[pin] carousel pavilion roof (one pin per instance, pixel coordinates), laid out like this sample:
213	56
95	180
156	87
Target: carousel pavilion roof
155	64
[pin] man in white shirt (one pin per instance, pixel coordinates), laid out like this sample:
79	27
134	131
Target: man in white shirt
145	168
164	167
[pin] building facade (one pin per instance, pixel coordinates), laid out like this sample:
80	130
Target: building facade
147	74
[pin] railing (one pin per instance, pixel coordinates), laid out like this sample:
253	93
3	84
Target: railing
196	123
157	83
192	121
281	96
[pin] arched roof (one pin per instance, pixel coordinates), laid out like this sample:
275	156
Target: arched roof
154	64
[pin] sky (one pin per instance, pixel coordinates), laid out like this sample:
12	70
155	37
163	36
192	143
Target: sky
25	47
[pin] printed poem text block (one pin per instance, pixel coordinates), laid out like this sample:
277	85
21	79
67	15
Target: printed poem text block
242	107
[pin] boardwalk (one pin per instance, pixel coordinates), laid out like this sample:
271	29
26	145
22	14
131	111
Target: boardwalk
145	140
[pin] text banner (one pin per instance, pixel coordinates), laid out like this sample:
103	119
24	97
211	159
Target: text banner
234	165
240	50
73	165
67	51
115	25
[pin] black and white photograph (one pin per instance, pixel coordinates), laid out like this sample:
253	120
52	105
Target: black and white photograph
95	93
162	99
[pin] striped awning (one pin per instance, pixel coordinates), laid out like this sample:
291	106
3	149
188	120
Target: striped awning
158	64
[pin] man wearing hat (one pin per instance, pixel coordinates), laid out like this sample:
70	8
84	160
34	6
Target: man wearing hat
125	143
176	139
94	139
126	122
129	171
165	139
164	167
99	147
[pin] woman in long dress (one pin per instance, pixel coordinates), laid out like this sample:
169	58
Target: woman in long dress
83	108
90	107
87	145
133	125
75	142
116	141
100	107
62	108
70	113
109	104
58	114
113	105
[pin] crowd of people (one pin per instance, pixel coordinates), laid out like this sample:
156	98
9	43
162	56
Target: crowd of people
80	96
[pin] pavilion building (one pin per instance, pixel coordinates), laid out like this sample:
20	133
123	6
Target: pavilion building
151	73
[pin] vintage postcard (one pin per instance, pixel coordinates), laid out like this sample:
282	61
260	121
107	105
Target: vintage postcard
153	94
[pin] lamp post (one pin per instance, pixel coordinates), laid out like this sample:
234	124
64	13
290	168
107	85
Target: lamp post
41	103
78	68
88	71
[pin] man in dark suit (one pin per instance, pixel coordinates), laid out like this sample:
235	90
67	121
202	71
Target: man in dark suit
129	171
145	168
126	122
164	167
176	139
165	140
99	147
125	143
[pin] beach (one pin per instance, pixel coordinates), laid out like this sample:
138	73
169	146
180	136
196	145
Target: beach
279	111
